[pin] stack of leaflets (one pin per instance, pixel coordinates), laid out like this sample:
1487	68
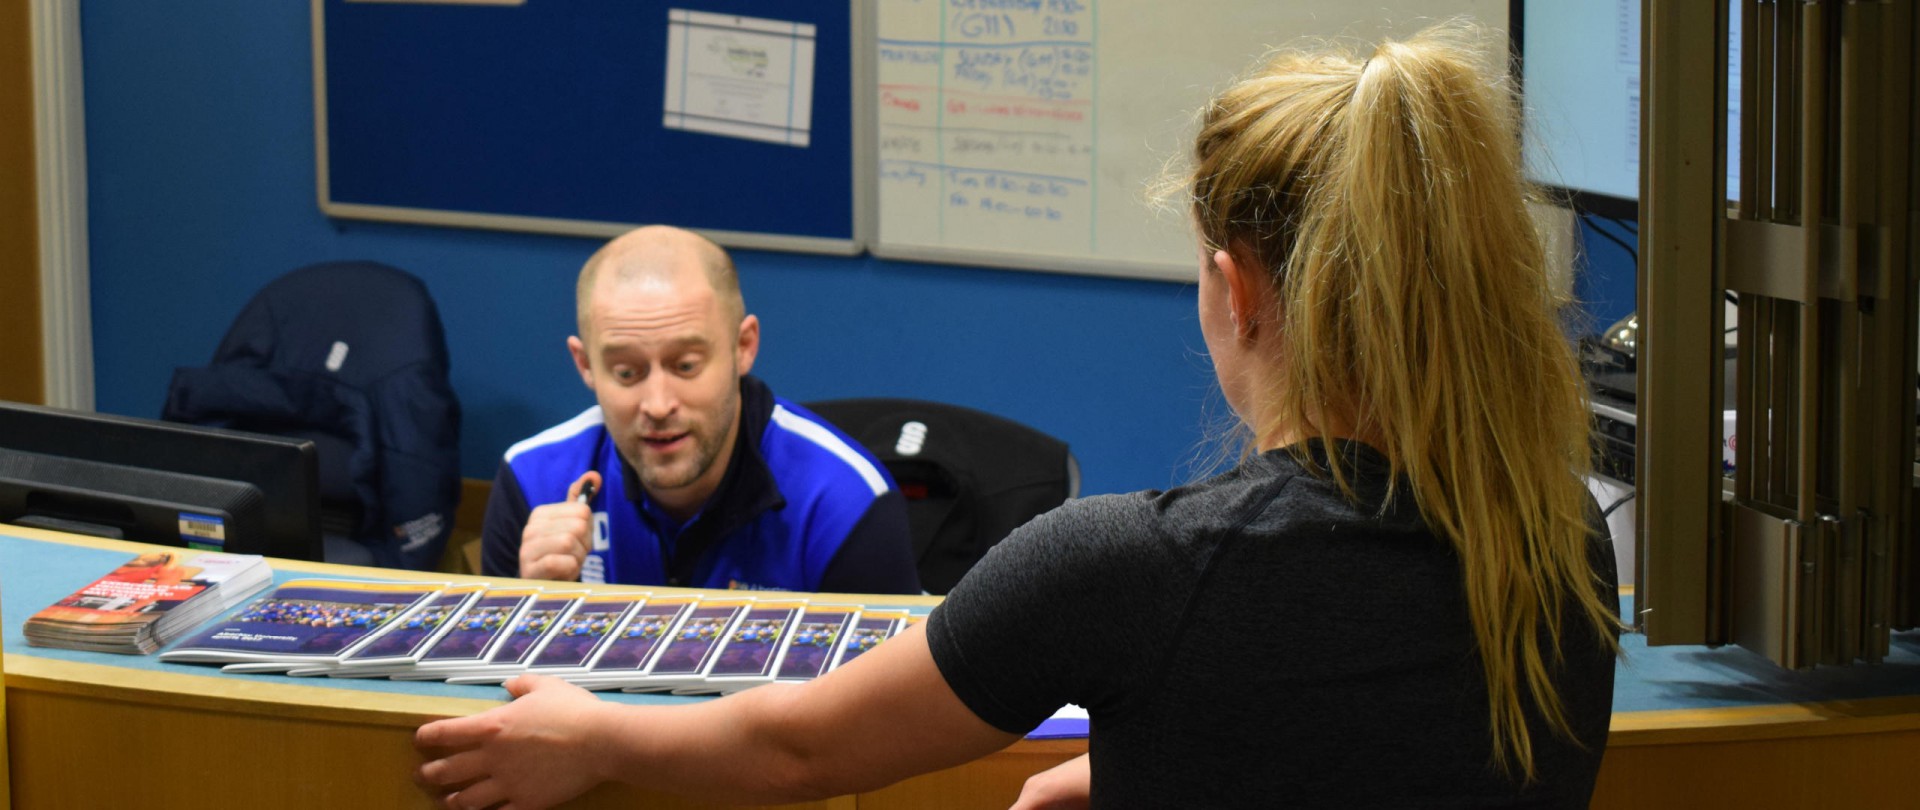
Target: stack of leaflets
637	644
689	650
148	601
303	622
721	646
511	651
474	634
559	633
397	649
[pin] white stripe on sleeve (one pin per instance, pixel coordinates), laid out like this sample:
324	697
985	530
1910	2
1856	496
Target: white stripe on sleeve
818	434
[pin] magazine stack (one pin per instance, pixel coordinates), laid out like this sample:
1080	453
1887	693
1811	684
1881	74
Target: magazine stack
474	634
148	601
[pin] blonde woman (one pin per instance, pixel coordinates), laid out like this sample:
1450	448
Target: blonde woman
1398	600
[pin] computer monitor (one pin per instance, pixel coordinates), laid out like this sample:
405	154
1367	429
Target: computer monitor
1580	84
158	482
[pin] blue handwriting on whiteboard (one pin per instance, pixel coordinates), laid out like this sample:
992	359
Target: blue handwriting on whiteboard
911	56
903	173
1045	213
998	5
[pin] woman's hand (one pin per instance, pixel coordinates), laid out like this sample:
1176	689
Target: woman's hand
542	749
1066	785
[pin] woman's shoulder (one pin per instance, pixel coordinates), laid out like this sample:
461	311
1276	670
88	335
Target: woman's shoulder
1095	518
1156	518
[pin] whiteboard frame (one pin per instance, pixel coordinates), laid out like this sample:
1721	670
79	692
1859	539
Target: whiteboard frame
1043	263
863	85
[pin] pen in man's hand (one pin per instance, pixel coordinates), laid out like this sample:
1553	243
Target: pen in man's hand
586	492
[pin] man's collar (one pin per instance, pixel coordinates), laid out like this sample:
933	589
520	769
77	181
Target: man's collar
749	488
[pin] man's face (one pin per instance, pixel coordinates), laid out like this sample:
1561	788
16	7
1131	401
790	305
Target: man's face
664	360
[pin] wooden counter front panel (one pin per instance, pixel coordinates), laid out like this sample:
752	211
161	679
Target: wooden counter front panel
73	751
1794	773
90	752
993	781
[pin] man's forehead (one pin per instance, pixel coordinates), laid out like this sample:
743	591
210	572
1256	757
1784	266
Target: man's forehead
653	286
660	252
649	311
651	294
615	341
653	268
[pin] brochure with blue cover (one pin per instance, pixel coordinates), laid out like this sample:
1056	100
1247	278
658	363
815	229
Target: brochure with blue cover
304	621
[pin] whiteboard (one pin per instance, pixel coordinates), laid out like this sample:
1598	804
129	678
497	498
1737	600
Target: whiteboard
1026	133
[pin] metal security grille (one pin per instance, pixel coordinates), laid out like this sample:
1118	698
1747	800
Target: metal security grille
1807	553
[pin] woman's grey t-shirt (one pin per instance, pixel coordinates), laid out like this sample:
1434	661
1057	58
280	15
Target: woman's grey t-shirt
1259	640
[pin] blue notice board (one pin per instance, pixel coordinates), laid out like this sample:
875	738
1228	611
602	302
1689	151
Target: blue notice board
552	116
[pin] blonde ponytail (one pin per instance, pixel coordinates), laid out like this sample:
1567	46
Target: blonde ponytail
1386	197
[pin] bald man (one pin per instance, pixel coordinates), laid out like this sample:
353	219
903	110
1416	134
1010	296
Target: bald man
689	472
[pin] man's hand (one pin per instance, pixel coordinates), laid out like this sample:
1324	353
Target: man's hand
558	535
540	750
1067	785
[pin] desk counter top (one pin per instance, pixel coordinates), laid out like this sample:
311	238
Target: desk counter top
81	725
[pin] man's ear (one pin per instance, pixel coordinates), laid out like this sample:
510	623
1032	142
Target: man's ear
580	361
747	346
1244	292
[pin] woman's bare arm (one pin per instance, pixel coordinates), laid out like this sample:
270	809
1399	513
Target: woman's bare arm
885	716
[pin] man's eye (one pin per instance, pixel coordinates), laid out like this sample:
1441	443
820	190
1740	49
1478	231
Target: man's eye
687	366
625	374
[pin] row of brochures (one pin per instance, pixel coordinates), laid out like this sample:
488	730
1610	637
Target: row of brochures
478	634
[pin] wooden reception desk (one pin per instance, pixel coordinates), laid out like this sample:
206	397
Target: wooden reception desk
86	730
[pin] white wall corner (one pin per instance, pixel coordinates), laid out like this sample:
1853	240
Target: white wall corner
1556	226
60	158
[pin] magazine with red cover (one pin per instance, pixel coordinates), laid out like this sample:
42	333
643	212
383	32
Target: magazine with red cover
140	605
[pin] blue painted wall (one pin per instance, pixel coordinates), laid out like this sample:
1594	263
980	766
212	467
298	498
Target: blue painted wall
201	188
1606	270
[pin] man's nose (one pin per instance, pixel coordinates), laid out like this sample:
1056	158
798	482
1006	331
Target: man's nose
657	398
